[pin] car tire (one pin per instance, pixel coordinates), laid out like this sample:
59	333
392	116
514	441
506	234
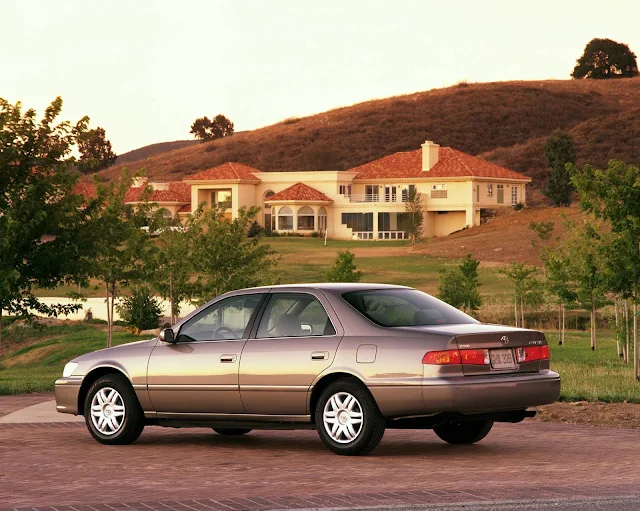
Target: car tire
464	432
231	431
112	412
347	418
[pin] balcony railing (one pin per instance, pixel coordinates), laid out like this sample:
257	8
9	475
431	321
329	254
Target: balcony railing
382	235
377	197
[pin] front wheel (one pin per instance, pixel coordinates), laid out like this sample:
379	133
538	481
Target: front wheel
231	431
464	432
112	412
347	418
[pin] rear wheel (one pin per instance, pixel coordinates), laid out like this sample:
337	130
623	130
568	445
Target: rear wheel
347	418
112	412
231	431
464	432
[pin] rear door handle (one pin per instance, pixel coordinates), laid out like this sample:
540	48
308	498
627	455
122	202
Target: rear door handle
228	358
320	355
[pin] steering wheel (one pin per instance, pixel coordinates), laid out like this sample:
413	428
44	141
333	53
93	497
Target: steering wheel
222	331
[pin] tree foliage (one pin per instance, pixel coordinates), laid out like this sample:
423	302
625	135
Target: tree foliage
459	286
413	208
224	257
525	286
207	129
141	310
344	268
604	58
37	199
559	150
95	151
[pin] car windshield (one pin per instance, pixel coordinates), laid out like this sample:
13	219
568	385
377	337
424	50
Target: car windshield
404	307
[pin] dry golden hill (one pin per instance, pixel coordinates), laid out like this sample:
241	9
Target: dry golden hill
504	122
503	239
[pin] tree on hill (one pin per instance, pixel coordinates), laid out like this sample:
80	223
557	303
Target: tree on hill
206	129
559	150
37	199
95	151
459	286
413	208
604	58
344	268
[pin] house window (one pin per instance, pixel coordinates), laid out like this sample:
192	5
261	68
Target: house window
322	220
358	221
500	194
372	193
490	190
267	209
305	219
439	191
514	195
345	189
285	219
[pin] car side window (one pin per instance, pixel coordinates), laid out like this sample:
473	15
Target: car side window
294	315
225	320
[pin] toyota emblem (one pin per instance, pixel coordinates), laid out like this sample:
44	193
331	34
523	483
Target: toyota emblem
504	340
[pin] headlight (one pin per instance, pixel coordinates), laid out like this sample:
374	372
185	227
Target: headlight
68	369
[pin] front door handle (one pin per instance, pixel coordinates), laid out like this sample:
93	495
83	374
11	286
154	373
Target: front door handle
229	359
320	355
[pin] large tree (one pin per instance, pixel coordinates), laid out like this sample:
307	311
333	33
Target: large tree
559	150
95	151
207	129
37	202
604	58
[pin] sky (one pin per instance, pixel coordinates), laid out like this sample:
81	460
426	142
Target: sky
145	70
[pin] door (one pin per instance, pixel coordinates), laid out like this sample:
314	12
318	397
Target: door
199	373
500	194
295	341
390	193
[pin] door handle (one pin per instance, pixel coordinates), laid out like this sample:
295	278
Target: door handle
228	358
320	355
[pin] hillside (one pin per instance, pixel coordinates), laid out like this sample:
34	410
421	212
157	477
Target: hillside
151	150
504	122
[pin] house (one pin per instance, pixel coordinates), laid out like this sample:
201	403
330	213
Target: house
365	203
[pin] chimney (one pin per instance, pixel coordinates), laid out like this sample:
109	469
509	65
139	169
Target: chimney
429	155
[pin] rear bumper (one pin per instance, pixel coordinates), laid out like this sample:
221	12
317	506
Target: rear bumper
67	391
472	394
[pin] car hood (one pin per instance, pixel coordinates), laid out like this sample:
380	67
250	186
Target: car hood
116	351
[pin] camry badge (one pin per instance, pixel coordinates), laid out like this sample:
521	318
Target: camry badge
504	340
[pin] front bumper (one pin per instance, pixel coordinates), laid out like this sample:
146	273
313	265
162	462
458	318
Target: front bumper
472	394
67	391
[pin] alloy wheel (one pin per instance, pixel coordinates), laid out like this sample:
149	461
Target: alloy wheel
342	417
107	411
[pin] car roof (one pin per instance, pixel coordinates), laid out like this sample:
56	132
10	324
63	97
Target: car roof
341	287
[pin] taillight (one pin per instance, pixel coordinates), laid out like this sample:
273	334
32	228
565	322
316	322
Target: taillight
448	357
532	354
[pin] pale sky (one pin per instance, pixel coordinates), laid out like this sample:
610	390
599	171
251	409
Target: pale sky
145	70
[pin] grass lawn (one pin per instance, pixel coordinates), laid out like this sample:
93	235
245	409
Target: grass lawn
34	358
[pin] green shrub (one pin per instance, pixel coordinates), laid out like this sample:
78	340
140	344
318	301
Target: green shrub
141	310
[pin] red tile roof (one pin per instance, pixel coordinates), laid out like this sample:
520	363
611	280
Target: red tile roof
87	190
185	209
177	192
451	163
226	171
299	192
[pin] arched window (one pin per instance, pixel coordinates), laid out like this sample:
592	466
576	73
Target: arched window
166	213
322	219
305	219
285	219
266	209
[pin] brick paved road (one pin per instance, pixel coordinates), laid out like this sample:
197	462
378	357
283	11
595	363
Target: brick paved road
62	465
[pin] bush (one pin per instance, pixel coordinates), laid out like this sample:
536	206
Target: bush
518	206
255	230
141	310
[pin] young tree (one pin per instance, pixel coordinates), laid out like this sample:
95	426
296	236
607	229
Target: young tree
557	266
522	277
206	129
37	199
225	257
459	286
413	208
95	151
124	257
344	268
141	310
604	58
559	150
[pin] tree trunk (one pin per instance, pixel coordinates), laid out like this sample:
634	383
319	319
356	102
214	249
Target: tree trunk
521	311
636	367
516	307
593	323
0	329
113	302
108	315
563	325
626	331
615	308
560	325
171	306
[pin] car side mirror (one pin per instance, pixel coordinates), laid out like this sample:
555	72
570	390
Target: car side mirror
167	335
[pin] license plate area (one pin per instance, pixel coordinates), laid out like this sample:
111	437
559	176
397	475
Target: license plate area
502	359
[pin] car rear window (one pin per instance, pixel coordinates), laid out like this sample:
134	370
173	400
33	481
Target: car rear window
404	307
